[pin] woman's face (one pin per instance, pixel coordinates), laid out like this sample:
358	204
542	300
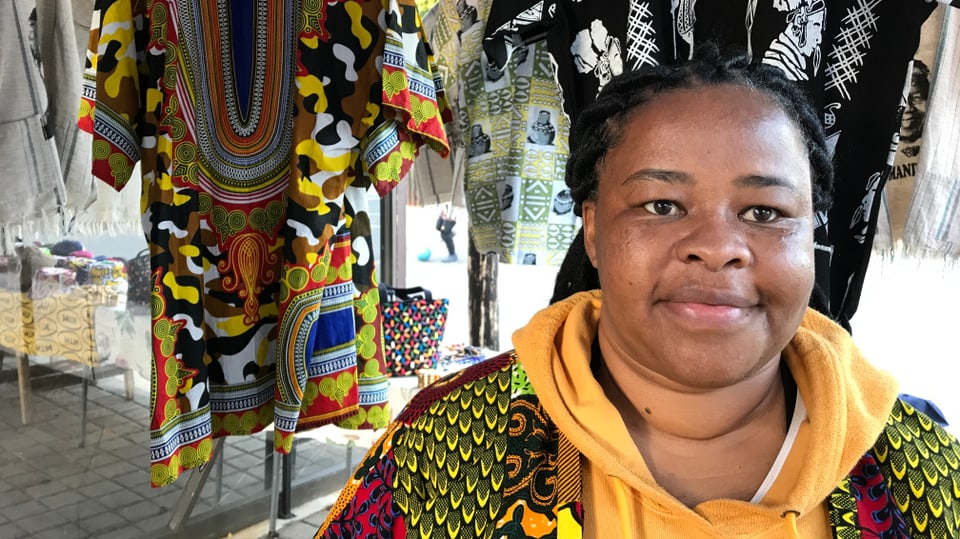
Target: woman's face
702	234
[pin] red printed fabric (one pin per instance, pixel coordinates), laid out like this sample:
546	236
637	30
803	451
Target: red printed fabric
876	511
414	102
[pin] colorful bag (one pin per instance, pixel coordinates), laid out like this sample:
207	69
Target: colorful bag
413	324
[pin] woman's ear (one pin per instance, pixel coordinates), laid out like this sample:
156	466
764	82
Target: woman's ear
590	230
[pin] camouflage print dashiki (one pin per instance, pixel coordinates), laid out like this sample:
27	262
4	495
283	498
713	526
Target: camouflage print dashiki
253	121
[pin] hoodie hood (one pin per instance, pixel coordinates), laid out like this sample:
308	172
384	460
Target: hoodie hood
847	400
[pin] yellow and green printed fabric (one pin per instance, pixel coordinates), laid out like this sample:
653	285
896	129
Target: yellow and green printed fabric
512	125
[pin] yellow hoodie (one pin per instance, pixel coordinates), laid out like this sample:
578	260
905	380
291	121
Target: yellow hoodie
846	401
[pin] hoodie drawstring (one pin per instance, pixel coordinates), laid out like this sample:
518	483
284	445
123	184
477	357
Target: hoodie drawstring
790	523
623	508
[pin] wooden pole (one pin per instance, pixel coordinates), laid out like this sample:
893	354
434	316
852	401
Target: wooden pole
482	270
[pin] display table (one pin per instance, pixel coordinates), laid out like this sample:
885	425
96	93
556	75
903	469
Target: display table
61	326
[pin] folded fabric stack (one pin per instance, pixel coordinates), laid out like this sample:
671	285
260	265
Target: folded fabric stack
49	282
456	357
105	278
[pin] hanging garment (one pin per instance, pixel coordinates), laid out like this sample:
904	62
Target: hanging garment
933	222
372	383
62	72
110	213
849	55
895	201
515	136
34	193
251	120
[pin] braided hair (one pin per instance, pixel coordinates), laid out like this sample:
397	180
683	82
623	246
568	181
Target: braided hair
599	126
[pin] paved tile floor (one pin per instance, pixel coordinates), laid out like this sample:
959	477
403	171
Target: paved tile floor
50	487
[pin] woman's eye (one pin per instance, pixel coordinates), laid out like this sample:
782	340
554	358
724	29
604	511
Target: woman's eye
760	214
662	207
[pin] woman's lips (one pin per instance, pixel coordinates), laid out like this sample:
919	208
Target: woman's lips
709	309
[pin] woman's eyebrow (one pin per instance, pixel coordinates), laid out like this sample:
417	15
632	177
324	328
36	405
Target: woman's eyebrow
762	180
659	175
676	177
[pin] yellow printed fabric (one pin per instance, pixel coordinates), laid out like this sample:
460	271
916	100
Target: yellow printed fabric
60	326
249	121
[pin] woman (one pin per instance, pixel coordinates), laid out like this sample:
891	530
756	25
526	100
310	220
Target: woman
696	395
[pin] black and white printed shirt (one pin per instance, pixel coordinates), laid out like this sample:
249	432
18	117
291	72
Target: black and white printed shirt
851	57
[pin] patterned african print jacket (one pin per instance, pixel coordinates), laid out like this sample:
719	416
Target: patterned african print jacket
475	455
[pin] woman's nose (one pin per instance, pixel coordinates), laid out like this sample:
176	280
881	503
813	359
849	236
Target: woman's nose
715	242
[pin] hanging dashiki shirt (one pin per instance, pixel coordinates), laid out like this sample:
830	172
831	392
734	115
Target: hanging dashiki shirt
849	55
254	305
515	134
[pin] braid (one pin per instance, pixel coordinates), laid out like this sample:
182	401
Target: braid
598	128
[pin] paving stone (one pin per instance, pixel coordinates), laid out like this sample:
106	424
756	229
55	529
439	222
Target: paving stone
88	508
101	395
98	486
297	529
41	436
142	511
14	467
135	480
128	427
16	444
164	497
64	499
42	522
101	416
244	461
123	406
13	497
239	480
8	459
41	449
228	496
23	510
116	468
202	508
76	481
64	424
154	524
316	519
43	489
22	480
12	531
46	462
113	443
128	531
133	452
102	523
249	444
67	531
120	498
